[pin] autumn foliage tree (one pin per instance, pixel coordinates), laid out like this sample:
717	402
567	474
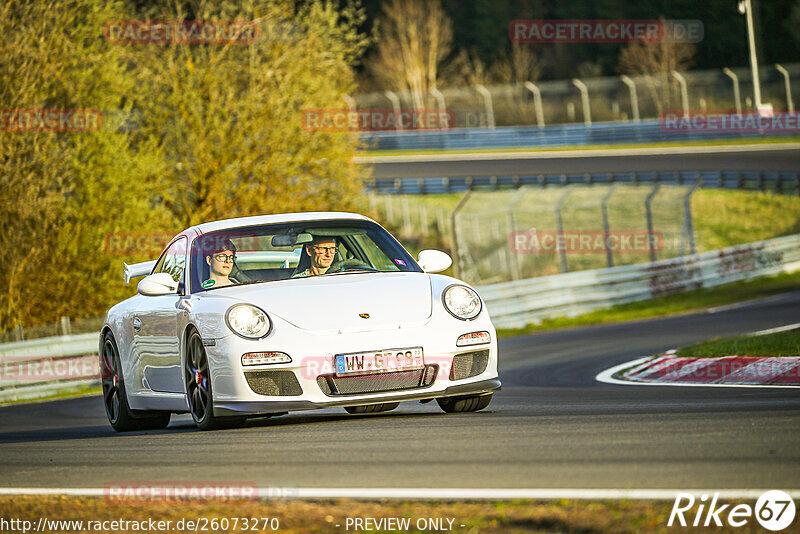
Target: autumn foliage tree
191	132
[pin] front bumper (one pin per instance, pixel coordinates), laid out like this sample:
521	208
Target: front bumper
313	354
255	407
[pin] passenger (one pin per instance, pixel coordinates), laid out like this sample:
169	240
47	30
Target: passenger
321	250
221	261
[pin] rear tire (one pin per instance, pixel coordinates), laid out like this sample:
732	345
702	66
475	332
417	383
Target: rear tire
470	403
198	388
372	408
115	400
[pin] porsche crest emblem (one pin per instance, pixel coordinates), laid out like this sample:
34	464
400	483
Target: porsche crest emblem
364	315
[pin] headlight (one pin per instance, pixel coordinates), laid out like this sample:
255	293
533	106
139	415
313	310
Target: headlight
462	302
248	321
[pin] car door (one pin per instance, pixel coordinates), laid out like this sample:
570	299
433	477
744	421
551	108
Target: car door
155	328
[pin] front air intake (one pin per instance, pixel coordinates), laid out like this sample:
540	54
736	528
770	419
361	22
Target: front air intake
469	364
274	383
332	385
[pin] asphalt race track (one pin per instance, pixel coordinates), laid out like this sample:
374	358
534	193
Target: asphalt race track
757	159
552	426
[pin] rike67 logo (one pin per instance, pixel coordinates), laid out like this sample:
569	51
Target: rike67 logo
774	510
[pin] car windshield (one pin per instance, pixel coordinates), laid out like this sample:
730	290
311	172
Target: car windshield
294	250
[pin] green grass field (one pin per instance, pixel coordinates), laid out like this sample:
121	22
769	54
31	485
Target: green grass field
778	344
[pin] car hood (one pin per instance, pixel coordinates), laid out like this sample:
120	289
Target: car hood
337	302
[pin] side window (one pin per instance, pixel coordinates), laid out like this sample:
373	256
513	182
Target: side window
174	260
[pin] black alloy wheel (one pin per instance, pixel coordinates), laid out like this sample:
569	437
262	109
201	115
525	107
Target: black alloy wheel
120	415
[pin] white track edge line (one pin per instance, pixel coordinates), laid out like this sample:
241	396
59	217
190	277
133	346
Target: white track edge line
776	330
443	493
607	377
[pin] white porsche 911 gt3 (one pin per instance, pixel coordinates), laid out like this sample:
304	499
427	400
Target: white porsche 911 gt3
266	315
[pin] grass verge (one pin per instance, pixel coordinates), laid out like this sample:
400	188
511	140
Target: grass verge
670	305
324	516
778	344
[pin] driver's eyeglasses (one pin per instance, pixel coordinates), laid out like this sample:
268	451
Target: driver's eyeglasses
325	250
225	258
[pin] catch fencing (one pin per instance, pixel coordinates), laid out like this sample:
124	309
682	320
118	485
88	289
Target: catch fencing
516	304
632	100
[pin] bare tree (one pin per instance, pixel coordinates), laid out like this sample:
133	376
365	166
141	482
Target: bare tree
521	64
414	38
657	60
466	69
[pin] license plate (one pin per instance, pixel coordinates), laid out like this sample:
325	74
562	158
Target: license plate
379	361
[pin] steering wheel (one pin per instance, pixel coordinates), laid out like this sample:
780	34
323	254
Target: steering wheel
349	263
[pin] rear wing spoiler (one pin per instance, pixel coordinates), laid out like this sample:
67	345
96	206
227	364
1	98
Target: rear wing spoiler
137	269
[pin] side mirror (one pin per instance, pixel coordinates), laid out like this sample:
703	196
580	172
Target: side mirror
157	284
434	261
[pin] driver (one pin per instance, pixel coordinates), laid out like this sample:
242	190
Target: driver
220	262
321	251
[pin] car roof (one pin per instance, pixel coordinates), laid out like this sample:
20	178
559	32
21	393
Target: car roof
277	218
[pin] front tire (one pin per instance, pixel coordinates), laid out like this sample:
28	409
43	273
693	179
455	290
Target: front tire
198	388
115	400
470	403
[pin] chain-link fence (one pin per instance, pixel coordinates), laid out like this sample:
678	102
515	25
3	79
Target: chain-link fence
64	327
516	234
614	98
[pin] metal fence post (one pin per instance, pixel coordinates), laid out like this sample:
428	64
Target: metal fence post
649	216
442	226
406	216
537	102
788	85
560	229
606	226
65	326
684	92
390	209
587	112
437	94
688	224
487	96
514	262
454	230
392	96
737	96
634	97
